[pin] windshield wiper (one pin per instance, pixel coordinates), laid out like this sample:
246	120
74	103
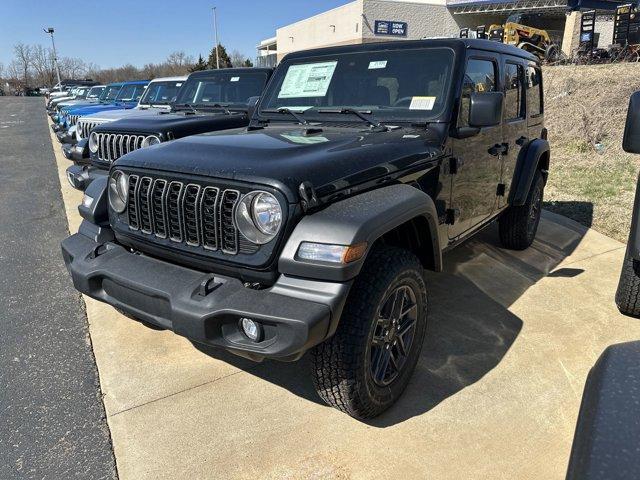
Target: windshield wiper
373	123
301	120
188	105
222	107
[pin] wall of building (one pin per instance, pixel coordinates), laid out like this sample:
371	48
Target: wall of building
339	26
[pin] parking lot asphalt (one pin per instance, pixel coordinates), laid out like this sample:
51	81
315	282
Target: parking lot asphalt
511	338
52	419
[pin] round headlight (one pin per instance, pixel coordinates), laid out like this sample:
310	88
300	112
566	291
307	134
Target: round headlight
93	142
150	141
259	217
118	188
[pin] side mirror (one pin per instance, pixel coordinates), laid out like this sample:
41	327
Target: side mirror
631	139
252	102
485	109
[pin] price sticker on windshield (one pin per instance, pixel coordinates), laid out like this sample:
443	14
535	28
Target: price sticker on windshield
235	79
422	103
307	80
377	64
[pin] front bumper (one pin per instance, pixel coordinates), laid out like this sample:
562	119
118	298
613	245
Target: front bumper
64	136
81	176
78	152
295	314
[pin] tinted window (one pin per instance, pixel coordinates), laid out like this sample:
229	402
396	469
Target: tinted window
222	88
95	92
394	84
534	92
513	101
479	77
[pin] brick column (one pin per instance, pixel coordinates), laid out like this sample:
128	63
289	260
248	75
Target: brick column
571	37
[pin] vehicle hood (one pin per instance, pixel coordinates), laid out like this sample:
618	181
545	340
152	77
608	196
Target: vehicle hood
83	110
285	156
178	123
70	103
111	115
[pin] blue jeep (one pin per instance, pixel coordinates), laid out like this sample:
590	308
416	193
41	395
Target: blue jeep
126	98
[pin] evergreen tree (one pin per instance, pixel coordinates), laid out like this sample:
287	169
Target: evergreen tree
225	61
200	65
247	63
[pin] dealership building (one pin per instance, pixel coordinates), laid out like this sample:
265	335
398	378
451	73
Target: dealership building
363	21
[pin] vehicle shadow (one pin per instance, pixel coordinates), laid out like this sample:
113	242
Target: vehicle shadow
470	327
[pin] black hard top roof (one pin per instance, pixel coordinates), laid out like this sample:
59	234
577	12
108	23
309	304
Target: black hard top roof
205	73
457	44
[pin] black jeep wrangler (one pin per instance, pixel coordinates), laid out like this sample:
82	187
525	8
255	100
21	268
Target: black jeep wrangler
208	101
311	228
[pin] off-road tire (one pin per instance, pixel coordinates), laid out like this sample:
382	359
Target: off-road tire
341	365
628	293
517	226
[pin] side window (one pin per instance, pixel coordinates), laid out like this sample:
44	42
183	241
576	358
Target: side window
534	91
514	89
480	77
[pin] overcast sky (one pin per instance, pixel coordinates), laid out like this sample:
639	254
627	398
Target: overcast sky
115	32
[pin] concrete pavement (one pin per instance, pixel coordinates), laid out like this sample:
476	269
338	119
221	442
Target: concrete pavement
495	395
52	420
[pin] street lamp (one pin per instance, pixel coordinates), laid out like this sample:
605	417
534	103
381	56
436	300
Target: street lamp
55	55
215	29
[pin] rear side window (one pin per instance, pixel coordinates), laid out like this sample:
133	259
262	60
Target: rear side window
514	89
479	77
534	91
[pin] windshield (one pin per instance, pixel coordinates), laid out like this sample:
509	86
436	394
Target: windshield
131	93
397	84
228	89
95	92
110	92
161	93
81	92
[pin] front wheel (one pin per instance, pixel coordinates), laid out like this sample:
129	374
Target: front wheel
364	368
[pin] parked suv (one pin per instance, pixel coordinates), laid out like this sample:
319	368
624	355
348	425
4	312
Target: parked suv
157	97
310	230
208	101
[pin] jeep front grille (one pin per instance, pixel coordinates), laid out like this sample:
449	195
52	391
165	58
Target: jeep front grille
85	126
112	146
186	213
73	119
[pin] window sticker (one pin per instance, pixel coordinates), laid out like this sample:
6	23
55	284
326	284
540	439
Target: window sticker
179	84
377	64
422	103
235	79
307	80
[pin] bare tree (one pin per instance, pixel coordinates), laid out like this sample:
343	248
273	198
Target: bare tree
23	59
44	65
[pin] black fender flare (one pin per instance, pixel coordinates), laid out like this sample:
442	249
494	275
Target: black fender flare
97	211
633	244
525	170
361	218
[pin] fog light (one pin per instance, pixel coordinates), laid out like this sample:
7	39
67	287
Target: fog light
251	329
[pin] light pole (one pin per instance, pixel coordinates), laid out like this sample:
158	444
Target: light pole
215	29
55	55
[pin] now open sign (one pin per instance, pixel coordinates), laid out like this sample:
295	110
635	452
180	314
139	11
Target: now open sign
389	27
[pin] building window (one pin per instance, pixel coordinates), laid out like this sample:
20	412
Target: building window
514	88
534	92
479	77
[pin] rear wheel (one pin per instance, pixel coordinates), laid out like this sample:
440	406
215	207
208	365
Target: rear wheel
366	365
518	225
628	293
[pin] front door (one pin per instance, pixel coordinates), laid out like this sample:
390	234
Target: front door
475	184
